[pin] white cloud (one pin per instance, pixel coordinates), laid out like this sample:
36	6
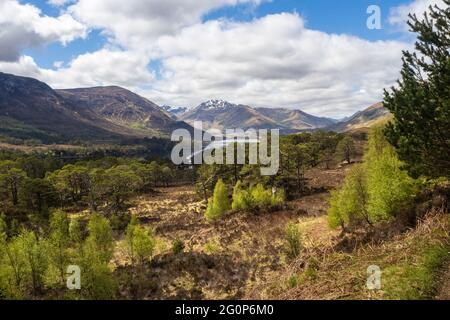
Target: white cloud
23	26
273	61
137	23
103	67
399	15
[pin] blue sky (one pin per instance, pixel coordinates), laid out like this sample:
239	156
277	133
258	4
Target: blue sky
344	16
314	55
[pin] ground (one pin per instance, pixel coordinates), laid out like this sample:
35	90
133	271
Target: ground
243	255
444	280
228	259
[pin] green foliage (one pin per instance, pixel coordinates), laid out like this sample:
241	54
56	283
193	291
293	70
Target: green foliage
242	199
377	190
178	246
75	232
261	197
219	204
278	198
292	281
416	281
36	259
420	102
59	241
257	198
3	229
348	206
13	269
293	241
140	242
389	187
99	242
97	281
346	149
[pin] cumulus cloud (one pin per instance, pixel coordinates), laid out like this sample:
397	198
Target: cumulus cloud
275	61
399	15
137	23
23	26
103	67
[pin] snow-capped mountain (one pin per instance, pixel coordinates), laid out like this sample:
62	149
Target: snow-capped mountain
216	104
220	114
174	111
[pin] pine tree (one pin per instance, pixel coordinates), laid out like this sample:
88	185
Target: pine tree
346	149
420	103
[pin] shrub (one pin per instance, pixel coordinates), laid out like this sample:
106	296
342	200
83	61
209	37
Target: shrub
278	198
178	246
242	199
261	197
211	247
293	240
219	204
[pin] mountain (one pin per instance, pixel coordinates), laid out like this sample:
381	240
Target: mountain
30	109
124	108
367	118
175	112
221	114
295	119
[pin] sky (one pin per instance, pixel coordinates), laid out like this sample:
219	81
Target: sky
315	55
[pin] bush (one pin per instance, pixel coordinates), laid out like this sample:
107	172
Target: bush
178	246
278	199
293	240
242	200
219	204
257	198
261	197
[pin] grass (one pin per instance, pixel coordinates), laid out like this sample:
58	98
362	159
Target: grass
416	281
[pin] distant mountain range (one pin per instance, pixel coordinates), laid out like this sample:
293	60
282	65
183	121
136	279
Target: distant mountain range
30	109
222	114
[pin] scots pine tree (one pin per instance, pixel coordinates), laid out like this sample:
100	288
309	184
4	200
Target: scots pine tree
420	103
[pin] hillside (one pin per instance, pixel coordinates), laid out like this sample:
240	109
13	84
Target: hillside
30	109
124	108
363	119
